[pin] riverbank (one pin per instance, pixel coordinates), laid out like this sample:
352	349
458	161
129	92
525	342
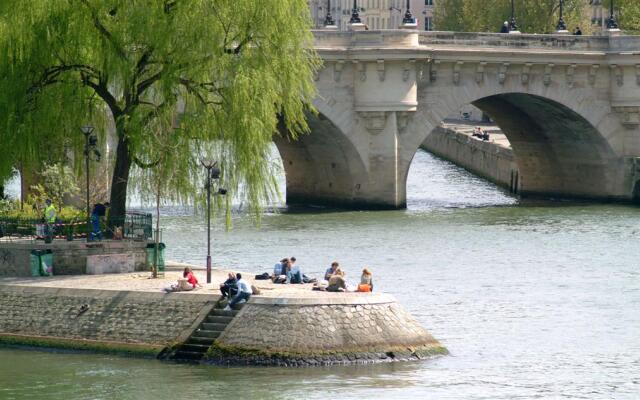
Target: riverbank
284	325
493	159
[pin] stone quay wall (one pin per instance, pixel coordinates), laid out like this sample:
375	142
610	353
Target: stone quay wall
486	159
122	321
69	258
340	328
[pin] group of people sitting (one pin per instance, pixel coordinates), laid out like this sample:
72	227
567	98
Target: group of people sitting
480	134
334	275
236	289
286	271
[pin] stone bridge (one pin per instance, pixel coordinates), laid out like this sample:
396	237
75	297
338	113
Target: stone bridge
569	105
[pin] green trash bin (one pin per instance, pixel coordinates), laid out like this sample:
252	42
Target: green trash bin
151	254
41	262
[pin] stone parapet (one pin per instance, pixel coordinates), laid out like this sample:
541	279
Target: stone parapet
69	258
332	329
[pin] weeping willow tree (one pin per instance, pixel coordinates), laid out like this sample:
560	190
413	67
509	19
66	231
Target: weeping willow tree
224	72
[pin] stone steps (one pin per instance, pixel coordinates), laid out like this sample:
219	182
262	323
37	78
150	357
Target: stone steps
213	327
216	319
194	348
204	334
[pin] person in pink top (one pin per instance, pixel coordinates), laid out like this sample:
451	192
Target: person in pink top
187	283
190	277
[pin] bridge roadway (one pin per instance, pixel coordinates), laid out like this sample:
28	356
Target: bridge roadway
569	105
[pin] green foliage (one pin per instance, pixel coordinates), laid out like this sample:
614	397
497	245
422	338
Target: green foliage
33	210
628	15
192	76
56	182
539	16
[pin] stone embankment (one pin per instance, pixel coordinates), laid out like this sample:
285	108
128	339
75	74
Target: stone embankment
286	325
493	160
341	328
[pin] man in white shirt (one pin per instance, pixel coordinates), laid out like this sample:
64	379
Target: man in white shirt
244	292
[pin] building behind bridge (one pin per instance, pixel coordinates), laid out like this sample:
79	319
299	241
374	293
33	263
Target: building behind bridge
376	14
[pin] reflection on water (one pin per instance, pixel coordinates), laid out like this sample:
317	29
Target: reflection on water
533	299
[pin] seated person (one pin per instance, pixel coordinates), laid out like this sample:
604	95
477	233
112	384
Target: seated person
187	283
280	271
230	287
244	293
366	281
331	270
294	275
337	282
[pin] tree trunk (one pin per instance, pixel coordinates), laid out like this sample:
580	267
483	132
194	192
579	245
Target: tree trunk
119	182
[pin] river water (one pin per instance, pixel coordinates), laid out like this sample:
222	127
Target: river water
533	300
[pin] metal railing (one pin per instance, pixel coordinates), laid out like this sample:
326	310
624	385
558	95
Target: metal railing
133	226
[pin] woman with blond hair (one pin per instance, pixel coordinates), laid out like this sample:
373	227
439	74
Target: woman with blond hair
337	282
366	281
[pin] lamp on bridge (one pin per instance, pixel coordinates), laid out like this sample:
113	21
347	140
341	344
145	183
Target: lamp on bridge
513	27
213	172
612	25
408	22
329	23
561	28
355	23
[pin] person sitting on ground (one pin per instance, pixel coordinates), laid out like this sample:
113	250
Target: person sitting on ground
331	270
337	282
278	267
244	293
577	31
294	274
366	281
505	27
230	287
187	283
280	271
190	278
485	135
477	132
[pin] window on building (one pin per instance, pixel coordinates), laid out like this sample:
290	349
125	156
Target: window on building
428	24
428	2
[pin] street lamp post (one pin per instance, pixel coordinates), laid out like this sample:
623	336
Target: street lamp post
562	26
213	172
408	18
513	27
328	20
611	22
90	144
355	17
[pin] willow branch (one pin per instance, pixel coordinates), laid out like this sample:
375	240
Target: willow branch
104	31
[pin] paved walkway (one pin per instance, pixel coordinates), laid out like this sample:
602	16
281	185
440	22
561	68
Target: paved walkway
466	128
142	282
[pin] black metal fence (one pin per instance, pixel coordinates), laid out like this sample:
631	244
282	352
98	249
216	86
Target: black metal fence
134	226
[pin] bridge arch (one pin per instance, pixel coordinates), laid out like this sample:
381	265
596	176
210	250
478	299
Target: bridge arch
322	167
559	137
